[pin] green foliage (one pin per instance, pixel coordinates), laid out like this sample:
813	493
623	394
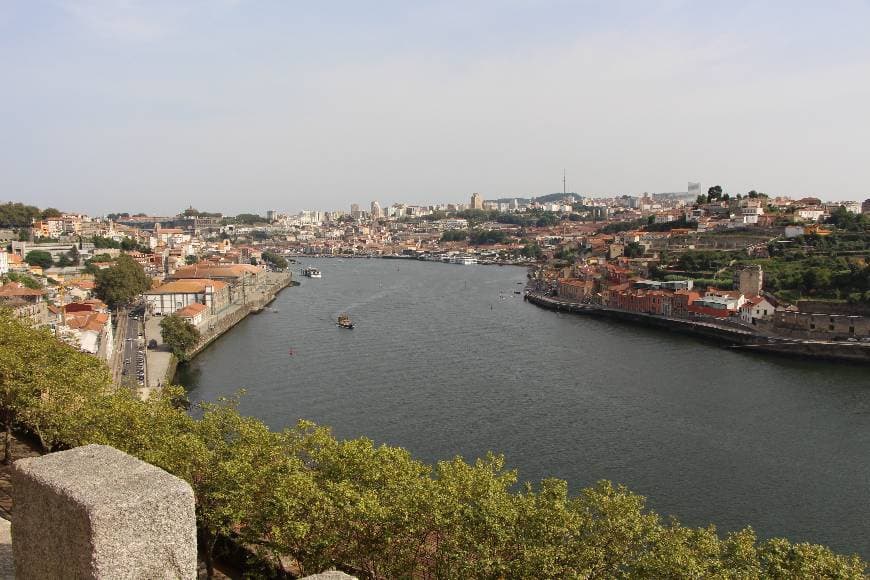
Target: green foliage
318	502
70	258
191	212
39	258
179	335
190	260
277	260
484	237
26	280
18	215
454	236
714	193
126	244
634	250
532	250
846	220
547	219
246	219
101	243
703	260
118	285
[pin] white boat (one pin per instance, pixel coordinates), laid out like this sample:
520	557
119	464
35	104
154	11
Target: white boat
463	260
311	272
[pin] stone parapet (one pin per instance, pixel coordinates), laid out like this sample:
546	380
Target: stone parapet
96	512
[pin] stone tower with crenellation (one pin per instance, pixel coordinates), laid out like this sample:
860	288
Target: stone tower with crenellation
751	281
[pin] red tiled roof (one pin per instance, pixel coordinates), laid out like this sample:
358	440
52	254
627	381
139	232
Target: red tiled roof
191	310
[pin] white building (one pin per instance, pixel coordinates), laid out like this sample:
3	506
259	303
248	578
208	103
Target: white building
175	295
756	308
4	263
810	214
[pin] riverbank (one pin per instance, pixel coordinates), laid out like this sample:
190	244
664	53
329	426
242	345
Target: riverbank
162	364
726	335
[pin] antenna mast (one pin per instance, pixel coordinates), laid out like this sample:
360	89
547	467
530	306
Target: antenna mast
564	187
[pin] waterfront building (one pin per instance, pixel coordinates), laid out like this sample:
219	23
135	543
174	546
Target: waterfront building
175	295
195	313
755	309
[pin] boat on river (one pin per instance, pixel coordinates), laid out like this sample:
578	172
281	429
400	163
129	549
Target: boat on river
311	272
344	321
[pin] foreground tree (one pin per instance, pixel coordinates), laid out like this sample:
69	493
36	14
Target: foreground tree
373	509
118	285
179	335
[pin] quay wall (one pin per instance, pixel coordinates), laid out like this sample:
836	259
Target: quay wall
253	305
725	335
842	351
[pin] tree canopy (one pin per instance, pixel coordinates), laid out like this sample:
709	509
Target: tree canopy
303	497
179	335
39	258
18	215
277	260
119	284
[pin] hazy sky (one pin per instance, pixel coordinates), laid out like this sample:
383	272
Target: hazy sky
110	105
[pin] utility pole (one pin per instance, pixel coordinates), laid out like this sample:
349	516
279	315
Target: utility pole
564	184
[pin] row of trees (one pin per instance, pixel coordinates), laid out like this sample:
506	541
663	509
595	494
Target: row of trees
373	510
715	194
126	244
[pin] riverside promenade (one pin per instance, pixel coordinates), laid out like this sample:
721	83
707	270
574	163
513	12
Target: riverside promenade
727	334
160	362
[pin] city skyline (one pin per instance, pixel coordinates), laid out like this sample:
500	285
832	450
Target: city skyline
237	107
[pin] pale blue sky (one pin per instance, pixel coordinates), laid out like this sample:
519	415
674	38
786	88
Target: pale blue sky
240	105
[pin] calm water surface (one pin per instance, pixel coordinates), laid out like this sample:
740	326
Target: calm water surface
446	360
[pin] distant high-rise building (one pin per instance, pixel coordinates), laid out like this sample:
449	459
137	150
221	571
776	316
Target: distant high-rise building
865	207
354	211
476	201
694	190
376	210
270	215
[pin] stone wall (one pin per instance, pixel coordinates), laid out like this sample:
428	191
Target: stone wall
95	512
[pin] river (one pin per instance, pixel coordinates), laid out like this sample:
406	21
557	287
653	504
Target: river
448	360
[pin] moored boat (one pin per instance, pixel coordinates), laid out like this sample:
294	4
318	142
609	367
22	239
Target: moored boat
311	272
344	321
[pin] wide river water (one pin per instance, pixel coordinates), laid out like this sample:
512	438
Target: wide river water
447	360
